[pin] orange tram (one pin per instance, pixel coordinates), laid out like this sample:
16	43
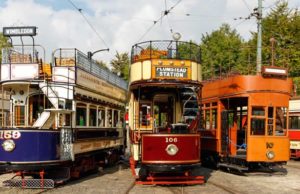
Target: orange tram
244	122
165	144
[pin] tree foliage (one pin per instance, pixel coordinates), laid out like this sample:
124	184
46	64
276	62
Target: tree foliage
120	65
282	24
3	43
102	64
220	51
224	51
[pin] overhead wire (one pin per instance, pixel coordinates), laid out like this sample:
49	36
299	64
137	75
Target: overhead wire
248	7
88	22
166	12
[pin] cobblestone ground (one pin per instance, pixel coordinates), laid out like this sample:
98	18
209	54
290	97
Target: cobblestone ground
118	180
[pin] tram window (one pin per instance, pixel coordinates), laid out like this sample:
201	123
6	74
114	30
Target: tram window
214	118
280	121
270	120
81	115
101	118
257	126
214	104
64	120
68	119
19	115
116	118
93	116
294	122
207	119
258	111
109	118
145	115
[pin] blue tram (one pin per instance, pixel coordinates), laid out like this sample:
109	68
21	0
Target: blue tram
64	119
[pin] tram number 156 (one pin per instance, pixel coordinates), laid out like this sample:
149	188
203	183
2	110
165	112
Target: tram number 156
171	139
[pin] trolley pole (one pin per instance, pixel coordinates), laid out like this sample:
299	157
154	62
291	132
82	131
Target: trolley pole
259	34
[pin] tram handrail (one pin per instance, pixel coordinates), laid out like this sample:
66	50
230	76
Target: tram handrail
166	49
81	61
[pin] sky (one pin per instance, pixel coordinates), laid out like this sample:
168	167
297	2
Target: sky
119	24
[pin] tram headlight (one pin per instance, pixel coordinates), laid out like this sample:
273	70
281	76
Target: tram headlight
270	155
9	145
172	149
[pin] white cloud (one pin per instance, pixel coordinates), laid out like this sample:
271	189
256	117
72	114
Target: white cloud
121	23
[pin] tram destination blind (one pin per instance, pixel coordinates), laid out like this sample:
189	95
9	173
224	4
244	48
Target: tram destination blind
171	72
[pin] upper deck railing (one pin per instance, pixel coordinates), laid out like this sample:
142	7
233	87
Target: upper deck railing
22	62
166	49
74	57
22	54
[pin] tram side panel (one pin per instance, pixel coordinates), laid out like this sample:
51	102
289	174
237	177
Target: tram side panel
294	128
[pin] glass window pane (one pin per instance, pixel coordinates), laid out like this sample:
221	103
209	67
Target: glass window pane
207	119
109	118
116	118
294	122
81	116
258	111
145	115
214	118
101	118
19	115
257	126
280	128
93	116
270	120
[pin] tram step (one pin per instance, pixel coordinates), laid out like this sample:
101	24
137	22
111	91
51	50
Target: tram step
29	183
232	166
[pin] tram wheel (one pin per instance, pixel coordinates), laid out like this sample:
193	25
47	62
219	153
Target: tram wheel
143	174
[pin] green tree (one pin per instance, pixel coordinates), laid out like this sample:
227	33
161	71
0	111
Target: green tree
221	52
283	24
102	64
120	65
3	43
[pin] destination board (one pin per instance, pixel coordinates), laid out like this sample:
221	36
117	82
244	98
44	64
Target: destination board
171	72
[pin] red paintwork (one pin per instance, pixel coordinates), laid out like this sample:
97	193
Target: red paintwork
154	149
294	134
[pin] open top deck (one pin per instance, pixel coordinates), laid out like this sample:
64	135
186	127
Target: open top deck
169	61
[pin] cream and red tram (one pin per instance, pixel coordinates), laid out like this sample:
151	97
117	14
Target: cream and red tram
245	121
164	78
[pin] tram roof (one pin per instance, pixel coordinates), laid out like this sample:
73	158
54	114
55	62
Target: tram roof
241	84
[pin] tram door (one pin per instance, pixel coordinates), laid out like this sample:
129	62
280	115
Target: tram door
163	111
224	132
234	121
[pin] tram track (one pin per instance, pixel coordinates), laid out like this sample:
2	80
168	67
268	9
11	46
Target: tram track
225	188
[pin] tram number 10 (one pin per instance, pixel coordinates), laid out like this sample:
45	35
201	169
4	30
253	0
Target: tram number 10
171	139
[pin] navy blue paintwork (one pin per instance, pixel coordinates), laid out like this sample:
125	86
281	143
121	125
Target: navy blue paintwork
33	145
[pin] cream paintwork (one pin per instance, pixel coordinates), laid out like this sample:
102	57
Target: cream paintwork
294	106
295	145
135	72
87	146
146	70
142	70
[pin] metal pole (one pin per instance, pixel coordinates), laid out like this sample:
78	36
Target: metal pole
259	33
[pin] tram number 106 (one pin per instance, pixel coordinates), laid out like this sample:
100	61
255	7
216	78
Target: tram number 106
171	139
